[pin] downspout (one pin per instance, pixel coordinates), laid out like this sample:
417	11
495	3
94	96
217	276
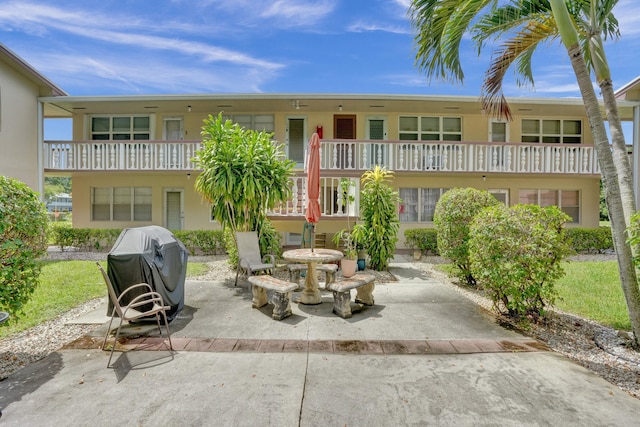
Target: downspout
40	156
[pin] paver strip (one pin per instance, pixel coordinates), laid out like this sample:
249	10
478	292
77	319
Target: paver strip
371	347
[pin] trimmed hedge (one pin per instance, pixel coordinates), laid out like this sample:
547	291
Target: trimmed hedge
424	239
589	240
197	242
580	240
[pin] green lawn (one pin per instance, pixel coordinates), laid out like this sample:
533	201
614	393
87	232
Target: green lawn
592	290
588	289
64	285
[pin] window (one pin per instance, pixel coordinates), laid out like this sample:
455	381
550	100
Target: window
552	131
258	122
567	200
419	204
430	128
501	195
121	204
120	128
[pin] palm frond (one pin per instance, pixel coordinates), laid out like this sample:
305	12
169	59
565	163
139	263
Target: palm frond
440	26
519	48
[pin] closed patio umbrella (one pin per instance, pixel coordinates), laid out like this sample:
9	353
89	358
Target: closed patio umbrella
313	184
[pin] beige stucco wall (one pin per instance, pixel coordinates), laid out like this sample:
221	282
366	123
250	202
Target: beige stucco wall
18	128
196	212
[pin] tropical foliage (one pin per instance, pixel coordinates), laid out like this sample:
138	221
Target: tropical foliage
244	173
379	214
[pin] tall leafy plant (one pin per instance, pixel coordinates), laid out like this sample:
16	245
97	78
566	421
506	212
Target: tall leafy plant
379	214
244	173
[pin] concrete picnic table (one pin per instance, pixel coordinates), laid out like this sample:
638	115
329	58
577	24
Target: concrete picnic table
311	292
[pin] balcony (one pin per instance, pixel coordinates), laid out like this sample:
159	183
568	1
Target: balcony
338	155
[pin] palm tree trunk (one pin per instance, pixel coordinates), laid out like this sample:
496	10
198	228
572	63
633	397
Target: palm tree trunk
613	196
620	155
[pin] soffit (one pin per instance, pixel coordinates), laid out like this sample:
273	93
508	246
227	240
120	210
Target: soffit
301	104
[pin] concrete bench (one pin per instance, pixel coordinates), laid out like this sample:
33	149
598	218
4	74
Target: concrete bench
330	271
280	296
341	289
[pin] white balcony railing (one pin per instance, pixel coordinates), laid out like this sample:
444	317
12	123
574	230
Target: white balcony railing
440	156
120	155
339	155
332	202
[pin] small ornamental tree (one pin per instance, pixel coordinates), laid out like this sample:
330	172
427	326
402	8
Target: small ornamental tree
379	213
453	215
23	239
515	255
244	173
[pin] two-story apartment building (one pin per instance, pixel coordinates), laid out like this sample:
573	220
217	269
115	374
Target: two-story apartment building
130	157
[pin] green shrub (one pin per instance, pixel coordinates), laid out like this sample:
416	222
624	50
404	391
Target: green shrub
202	242
590	240
197	242
424	239
453	215
85	239
515	255
23	239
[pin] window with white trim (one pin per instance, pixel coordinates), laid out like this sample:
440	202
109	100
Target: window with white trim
417	128
118	128
418	204
257	122
121	203
500	194
552	131
567	200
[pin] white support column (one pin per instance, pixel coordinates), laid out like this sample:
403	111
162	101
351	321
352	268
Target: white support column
40	144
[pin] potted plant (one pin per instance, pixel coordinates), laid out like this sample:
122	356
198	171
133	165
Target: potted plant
359	237
348	264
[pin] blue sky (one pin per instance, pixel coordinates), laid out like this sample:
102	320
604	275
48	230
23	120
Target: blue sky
247	46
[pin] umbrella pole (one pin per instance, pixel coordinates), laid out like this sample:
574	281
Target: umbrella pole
313	236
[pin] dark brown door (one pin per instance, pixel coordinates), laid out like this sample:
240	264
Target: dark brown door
344	127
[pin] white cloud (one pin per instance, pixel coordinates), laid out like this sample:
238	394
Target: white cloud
270	14
129	75
361	27
124	30
626	11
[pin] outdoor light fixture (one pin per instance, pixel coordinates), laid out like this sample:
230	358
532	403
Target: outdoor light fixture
484	177
295	104
188	176
340	107
189	108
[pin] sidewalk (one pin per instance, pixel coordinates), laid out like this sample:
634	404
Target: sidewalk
423	355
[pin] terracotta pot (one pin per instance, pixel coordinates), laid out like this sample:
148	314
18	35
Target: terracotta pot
348	267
